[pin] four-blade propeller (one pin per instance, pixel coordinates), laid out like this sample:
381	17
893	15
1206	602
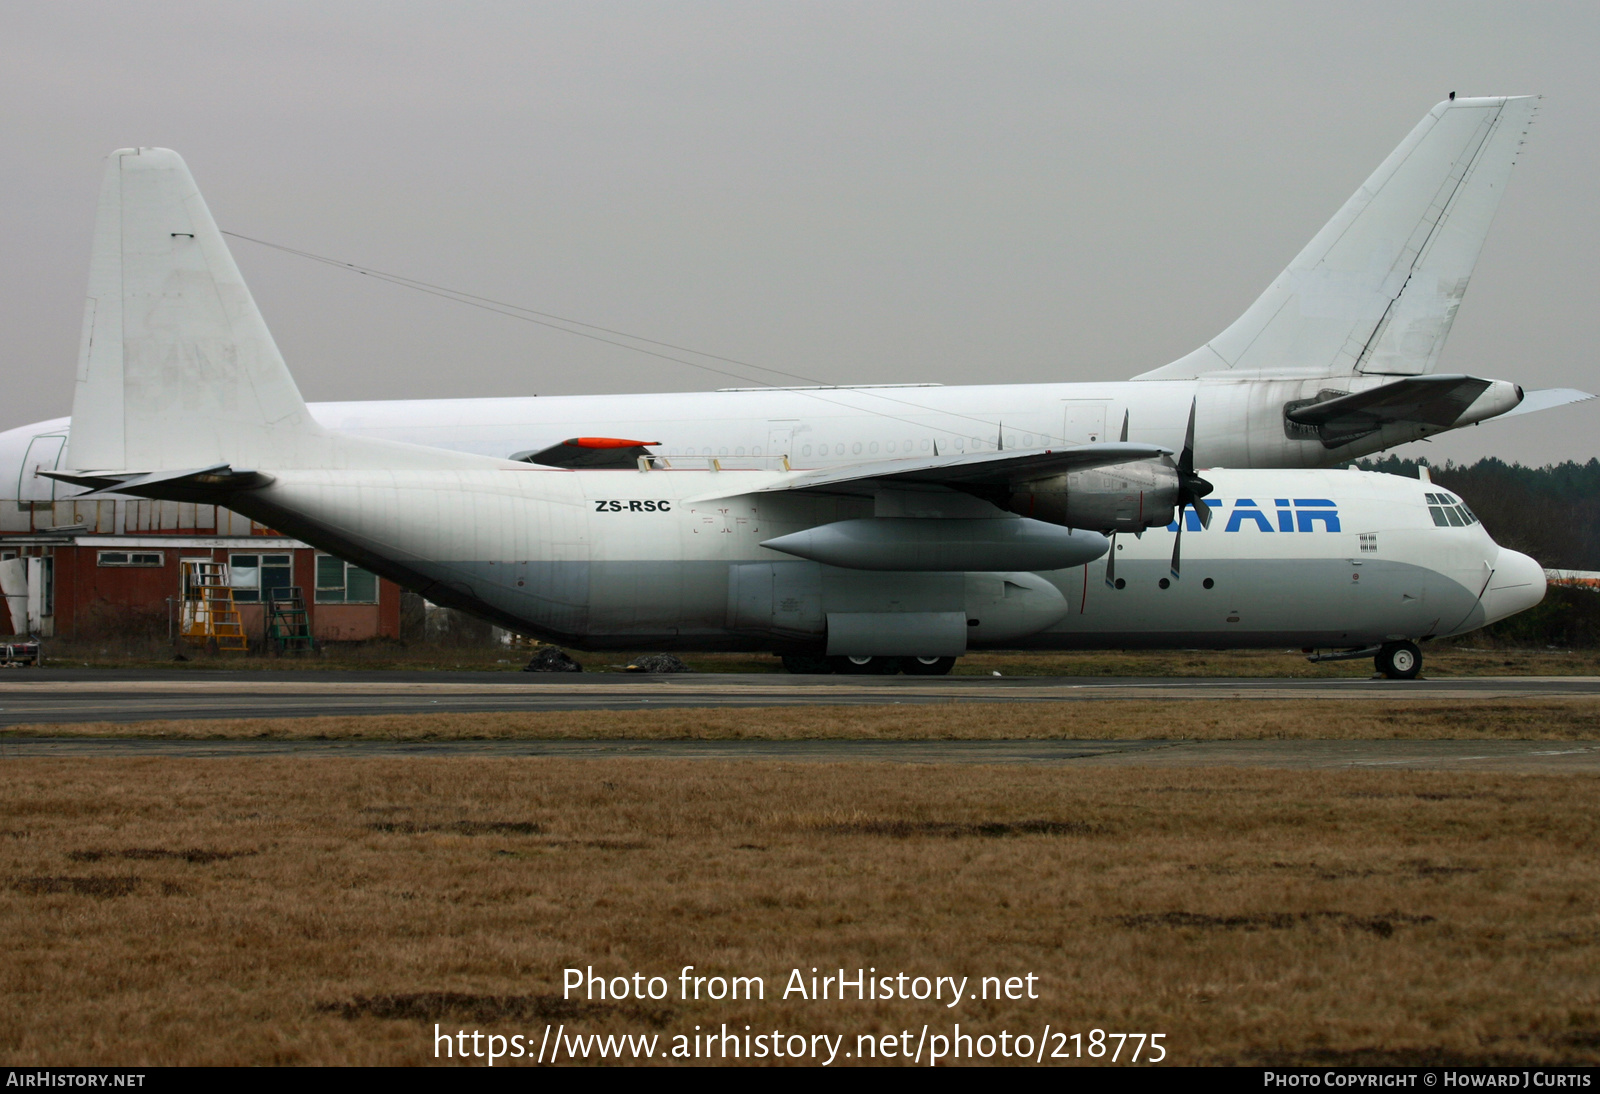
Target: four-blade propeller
1191	490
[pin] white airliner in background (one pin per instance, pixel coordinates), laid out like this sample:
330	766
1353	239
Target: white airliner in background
891	561
1334	361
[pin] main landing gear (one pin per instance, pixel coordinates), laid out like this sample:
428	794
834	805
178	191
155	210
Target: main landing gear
1399	660
870	666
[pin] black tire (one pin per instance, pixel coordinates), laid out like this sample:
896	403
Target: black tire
1399	660
866	666
927	666
807	666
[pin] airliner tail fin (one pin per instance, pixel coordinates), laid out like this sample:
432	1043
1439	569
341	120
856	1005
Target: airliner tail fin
176	366
1376	290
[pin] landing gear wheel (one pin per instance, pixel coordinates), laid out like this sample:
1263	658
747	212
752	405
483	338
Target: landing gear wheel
807	666
927	666
1399	660
866	666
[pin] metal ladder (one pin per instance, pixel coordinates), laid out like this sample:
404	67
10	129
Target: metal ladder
209	614
288	623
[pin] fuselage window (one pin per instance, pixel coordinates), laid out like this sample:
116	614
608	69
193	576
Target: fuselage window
838	449
1439	519
924	444
889	447
723	452
856	448
756	451
907	445
873	447
806	451
739	451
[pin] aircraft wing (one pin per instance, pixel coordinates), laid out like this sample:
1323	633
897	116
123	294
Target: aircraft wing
999	468
1431	400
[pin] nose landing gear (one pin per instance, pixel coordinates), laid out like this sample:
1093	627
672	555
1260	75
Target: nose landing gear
1399	660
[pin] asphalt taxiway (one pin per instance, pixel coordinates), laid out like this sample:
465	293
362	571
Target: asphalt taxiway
46	696
1526	757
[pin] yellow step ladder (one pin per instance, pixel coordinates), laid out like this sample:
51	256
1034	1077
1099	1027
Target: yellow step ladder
209	614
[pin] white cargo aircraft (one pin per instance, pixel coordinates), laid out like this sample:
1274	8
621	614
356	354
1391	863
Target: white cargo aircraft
1334	361
903	561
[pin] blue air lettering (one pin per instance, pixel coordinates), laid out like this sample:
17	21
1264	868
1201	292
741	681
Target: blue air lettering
1310	509
1298	514
1246	509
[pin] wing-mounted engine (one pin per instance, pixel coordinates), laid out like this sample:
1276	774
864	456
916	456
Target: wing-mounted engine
1128	497
1100	487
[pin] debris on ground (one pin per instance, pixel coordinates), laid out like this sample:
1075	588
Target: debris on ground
656	662
551	659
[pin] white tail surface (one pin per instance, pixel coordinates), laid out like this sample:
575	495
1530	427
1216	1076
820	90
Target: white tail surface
176	366
1378	287
177	369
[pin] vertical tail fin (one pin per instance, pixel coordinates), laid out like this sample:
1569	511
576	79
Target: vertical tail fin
1377	289
176	367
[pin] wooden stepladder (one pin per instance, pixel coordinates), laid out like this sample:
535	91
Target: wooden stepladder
288	623
209	614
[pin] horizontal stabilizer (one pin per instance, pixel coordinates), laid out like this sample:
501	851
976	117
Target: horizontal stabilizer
1547	399
196	484
1436	401
972	469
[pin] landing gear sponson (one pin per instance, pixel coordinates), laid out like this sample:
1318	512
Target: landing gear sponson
870	666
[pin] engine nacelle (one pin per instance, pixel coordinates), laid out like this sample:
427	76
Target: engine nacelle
1126	497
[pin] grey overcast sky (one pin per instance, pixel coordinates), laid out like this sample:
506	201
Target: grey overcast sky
854	192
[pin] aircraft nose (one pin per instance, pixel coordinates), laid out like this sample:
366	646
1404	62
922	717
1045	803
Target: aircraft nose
1517	585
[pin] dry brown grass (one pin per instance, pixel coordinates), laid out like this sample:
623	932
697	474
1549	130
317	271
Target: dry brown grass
1185	719
285	911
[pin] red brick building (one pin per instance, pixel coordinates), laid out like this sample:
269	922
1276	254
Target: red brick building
73	569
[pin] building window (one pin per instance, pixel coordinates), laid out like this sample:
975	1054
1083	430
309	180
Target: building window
254	577
339	582
131	558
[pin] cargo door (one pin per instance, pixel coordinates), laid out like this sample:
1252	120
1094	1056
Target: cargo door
780	438
1085	422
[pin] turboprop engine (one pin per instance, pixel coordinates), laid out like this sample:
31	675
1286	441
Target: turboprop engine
1127	497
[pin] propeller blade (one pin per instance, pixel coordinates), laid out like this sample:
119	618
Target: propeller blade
1111	563
1177	544
1186	460
1202	510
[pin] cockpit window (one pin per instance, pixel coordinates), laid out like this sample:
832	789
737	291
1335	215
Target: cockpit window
1447	512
